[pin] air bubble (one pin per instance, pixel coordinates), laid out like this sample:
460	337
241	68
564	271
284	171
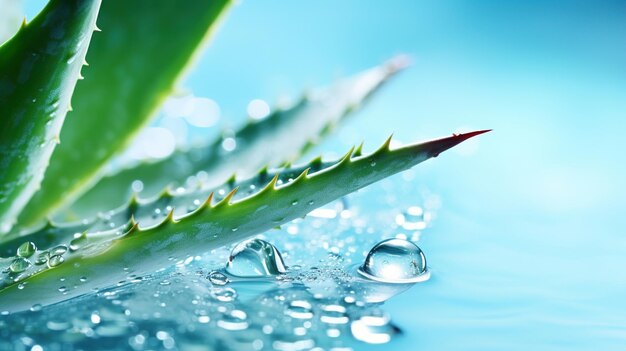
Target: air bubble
255	258
395	261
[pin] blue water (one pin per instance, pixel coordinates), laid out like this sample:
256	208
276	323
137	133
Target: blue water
527	250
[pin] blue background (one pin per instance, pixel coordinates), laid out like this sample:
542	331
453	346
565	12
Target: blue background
529	250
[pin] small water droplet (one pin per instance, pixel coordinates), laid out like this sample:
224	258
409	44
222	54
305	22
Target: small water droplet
27	249
55	260
19	265
373	163
42	258
36	307
224	294
58	250
137	185
294	202
62	289
395	261
217	278
255	258
76	243
21	286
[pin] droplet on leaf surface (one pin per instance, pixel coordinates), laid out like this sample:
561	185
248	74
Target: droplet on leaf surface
255	258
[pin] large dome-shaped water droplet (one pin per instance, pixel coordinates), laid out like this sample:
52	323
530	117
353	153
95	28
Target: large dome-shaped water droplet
395	261
255	258
19	265
27	249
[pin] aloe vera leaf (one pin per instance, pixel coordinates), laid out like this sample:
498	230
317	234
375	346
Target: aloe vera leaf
107	257
39	68
281	137
135	62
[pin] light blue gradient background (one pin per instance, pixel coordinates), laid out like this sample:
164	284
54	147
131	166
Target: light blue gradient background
529	249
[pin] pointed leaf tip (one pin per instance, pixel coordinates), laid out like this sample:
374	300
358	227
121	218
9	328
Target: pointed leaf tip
465	136
437	146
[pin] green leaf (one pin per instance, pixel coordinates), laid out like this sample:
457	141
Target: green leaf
39	68
102	258
134	64
281	137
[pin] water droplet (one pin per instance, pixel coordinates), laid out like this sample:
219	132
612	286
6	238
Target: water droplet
76	243
19	265
217	278
36	307
27	249
58	250
137	185
395	261
255	258
224	294
294	202
62	289
21	286
55	261
373	163
42	258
